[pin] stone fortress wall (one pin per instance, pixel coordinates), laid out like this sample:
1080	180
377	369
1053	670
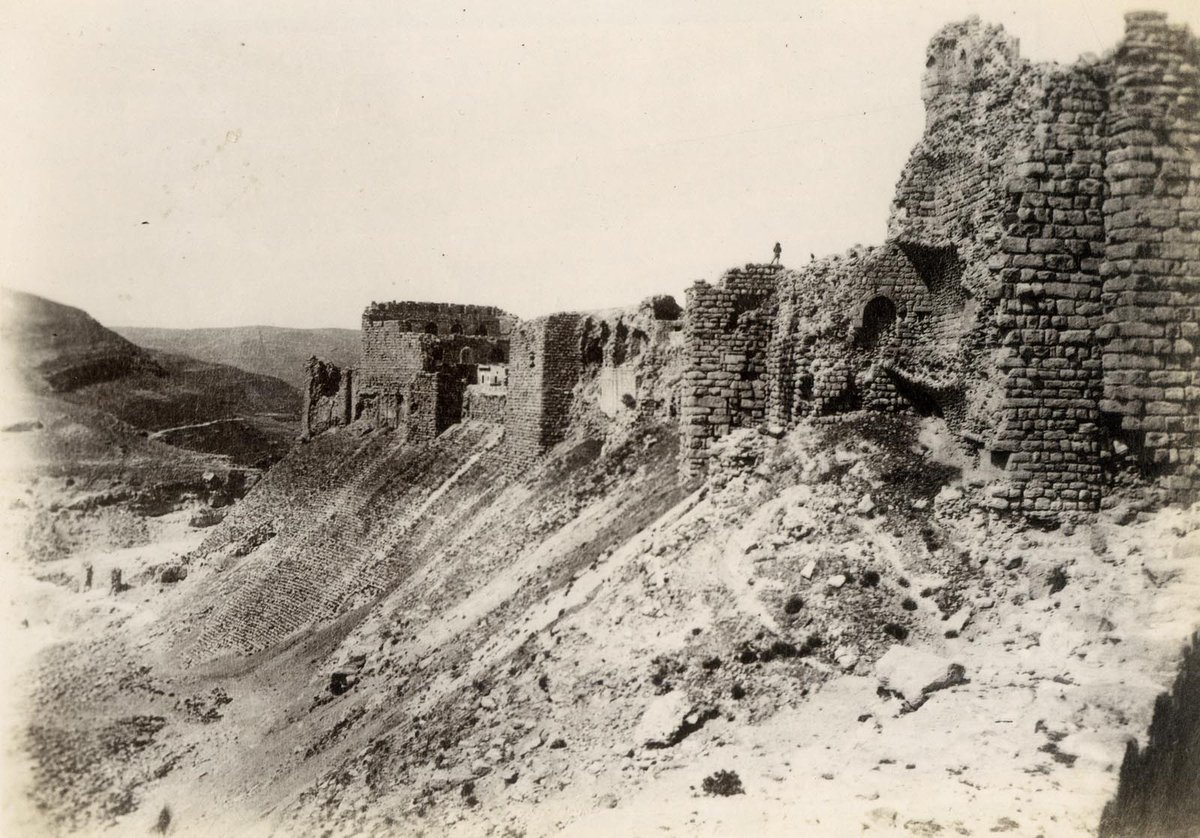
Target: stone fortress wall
1039	289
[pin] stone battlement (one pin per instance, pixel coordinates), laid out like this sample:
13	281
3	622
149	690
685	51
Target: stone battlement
440	318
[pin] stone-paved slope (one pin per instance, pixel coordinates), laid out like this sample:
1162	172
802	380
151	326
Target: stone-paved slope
313	544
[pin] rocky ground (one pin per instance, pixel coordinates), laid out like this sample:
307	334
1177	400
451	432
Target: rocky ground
826	637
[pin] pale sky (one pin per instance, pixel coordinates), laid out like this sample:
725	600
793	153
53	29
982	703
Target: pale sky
226	163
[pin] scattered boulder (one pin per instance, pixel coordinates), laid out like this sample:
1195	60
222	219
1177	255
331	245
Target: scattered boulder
172	573
206	517
669	719
914	674
956	622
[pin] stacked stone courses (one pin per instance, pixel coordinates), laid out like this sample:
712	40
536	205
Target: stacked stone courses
728	330
1151	270
1051	219
1038	289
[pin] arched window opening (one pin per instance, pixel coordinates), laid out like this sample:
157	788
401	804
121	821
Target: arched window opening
878	316
431	328
466	356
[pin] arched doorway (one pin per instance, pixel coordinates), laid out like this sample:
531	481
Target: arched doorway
878	316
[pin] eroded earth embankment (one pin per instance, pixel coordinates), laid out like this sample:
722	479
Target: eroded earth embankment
385	639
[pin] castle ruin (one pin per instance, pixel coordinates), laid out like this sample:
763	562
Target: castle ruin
1039	289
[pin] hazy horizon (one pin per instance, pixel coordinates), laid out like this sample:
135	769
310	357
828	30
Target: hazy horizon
281	165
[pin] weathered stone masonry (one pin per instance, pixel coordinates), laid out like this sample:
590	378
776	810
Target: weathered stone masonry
541	380
727	330
1040	286
1039	289
416	362
1151	269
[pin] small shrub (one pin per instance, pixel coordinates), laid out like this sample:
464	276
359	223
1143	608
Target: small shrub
723	784
1057	579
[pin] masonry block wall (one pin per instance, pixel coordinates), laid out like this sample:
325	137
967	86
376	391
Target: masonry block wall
1050	302
1151	270
1040	286
545	360
728	329
878	328
442	318
482	403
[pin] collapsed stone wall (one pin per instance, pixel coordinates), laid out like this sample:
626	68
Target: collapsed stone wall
632	362
879	328
327	399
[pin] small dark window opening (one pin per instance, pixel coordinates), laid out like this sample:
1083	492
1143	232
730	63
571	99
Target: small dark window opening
431	328
456	328
592	343
620	344
1000	459
482	330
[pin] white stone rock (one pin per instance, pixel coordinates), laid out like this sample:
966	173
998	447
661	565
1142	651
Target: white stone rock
915	673
809	569
957	621
836	581
662	718
865	506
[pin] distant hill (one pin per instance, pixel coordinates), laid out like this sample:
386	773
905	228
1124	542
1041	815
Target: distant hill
64	354
266	350
64	348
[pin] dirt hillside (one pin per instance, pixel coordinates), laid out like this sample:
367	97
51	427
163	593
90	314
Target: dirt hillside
824	636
